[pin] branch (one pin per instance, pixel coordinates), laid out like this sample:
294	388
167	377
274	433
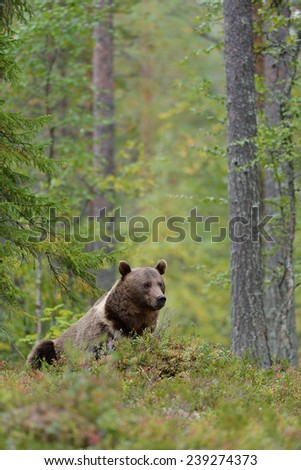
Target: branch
294	61
210	38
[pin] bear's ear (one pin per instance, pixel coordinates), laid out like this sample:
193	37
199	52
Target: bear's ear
161	266
124	268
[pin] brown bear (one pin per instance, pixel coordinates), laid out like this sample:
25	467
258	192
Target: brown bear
131	306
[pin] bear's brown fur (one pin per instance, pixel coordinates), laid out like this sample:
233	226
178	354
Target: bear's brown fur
131	306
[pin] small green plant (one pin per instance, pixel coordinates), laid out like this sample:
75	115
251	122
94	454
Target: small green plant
159	391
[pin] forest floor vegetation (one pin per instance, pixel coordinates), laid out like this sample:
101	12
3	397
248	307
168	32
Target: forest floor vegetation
160	391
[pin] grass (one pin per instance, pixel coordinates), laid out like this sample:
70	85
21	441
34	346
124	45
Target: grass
160	391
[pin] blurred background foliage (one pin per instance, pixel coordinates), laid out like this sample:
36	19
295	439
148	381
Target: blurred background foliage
170	148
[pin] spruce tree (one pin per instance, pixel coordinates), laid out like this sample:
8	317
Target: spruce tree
21	157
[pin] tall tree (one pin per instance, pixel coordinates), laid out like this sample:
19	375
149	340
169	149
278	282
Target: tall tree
103	84
21	237
104	126
146	72
249	335
279	190
18	203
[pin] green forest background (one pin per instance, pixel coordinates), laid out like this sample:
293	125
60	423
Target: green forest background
161	390
170	150
169	103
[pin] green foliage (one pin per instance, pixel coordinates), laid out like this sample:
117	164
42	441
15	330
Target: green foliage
138	396
61	320
18	152
23	160
278	143
186	118
170	148
10	9
168	102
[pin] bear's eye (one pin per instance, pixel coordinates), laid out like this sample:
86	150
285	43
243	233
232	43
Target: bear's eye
160	284
147	285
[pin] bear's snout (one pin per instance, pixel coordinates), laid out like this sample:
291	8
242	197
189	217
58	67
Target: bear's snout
161	301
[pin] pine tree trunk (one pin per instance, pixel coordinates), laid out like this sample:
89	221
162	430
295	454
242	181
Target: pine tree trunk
146	85
249	335
103	84
280	199
104	127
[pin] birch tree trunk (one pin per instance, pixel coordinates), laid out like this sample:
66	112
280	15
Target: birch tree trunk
280	193
249	334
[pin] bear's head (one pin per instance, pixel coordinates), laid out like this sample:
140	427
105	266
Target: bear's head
144	286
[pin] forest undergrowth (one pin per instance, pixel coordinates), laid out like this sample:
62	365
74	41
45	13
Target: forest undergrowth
160	391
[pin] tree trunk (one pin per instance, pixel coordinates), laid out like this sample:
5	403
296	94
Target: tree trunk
280	196
38	299
104	127
259	70
249	335
146	85
103	84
